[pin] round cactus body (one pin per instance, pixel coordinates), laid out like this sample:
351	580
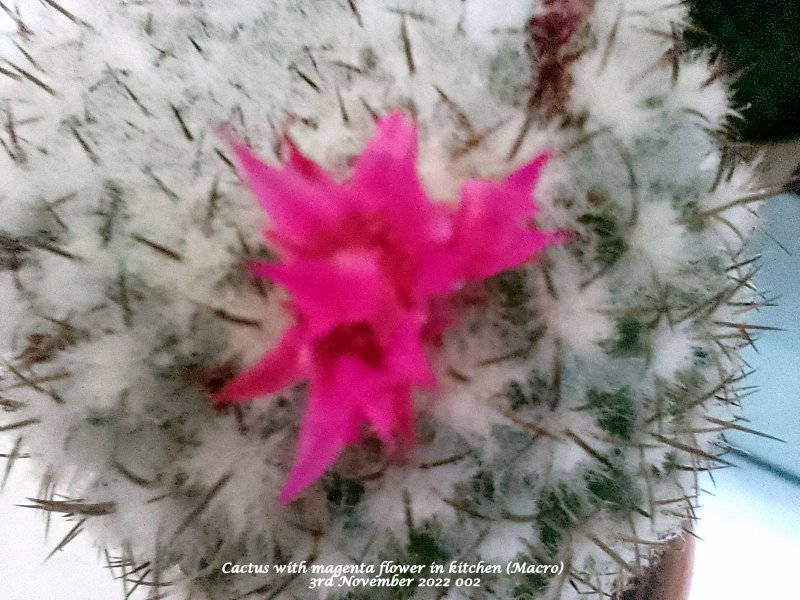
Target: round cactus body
578	397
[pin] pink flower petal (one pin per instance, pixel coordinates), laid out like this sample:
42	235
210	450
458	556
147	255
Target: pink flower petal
323	311
406	358
385	175
276	369
307	168
493	223
319	445
404	416
525	178
298	207
333	416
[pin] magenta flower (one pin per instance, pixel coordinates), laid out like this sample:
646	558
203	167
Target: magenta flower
369	264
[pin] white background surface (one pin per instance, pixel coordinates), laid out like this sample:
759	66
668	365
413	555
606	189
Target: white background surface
75	573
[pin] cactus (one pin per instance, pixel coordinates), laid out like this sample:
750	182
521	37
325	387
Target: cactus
579	397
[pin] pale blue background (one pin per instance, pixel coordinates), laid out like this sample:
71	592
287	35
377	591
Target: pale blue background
775	408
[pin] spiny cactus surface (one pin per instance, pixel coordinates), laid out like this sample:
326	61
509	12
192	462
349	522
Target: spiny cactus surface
578	398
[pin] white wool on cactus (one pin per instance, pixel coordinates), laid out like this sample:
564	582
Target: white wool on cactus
578	396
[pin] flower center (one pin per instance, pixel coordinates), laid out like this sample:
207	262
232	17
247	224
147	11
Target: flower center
353	339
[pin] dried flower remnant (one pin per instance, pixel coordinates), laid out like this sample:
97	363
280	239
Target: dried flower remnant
550	48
